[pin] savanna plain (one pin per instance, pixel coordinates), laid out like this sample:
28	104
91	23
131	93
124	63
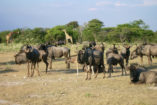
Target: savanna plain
61	86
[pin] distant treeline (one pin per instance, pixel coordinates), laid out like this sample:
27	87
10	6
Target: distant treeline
94	30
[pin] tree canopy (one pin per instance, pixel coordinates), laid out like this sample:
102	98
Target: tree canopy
135	31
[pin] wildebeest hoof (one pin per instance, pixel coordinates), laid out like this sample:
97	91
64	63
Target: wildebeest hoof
89	79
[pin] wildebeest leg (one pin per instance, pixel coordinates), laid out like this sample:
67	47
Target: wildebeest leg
122	66
141	60
67	63
96	71
83	68
47	64
103	67
28	73
92	70
33	67
38	69
50	63
87	73
127	61
149	60
109	69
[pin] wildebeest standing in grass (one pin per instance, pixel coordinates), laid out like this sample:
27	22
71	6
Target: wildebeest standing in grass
114	50
114	59
125	53
58	52
89	58
139	75
148	50
34	56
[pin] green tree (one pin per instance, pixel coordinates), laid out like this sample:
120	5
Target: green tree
73	24
55	33
95	26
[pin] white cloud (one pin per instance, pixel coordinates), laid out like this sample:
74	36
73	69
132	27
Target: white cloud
103	3
149	2
92	9
118	4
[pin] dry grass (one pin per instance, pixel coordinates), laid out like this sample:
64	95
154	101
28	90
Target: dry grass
63	87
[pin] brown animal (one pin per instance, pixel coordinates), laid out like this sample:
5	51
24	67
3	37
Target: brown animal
89	58
68	37
114	59
58	52
125	53
8	37
139	75
34	56
148	50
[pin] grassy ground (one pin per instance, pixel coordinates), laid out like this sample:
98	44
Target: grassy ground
63	87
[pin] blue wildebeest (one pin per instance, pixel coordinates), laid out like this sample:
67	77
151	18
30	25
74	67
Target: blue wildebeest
148	50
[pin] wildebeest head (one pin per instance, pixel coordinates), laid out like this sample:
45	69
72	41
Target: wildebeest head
80	56
133	73
42	47
135	53
92	44
27	49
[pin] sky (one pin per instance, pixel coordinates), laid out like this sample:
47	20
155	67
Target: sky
49	13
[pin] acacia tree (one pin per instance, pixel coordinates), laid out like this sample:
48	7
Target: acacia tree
95	26
55	33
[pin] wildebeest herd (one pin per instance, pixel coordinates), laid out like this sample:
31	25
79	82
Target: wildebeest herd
91	57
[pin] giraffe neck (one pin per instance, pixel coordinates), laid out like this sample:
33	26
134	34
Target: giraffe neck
66	34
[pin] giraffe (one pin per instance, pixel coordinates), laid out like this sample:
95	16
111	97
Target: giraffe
8	37
68	37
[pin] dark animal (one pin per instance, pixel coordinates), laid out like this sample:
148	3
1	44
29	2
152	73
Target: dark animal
92	44
125	53
114	59
34	56
89	58
148	50
139	75
114	50
58	52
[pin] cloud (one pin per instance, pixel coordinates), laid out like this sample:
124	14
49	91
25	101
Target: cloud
149	2
122	4
92	9
118	4
103	3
